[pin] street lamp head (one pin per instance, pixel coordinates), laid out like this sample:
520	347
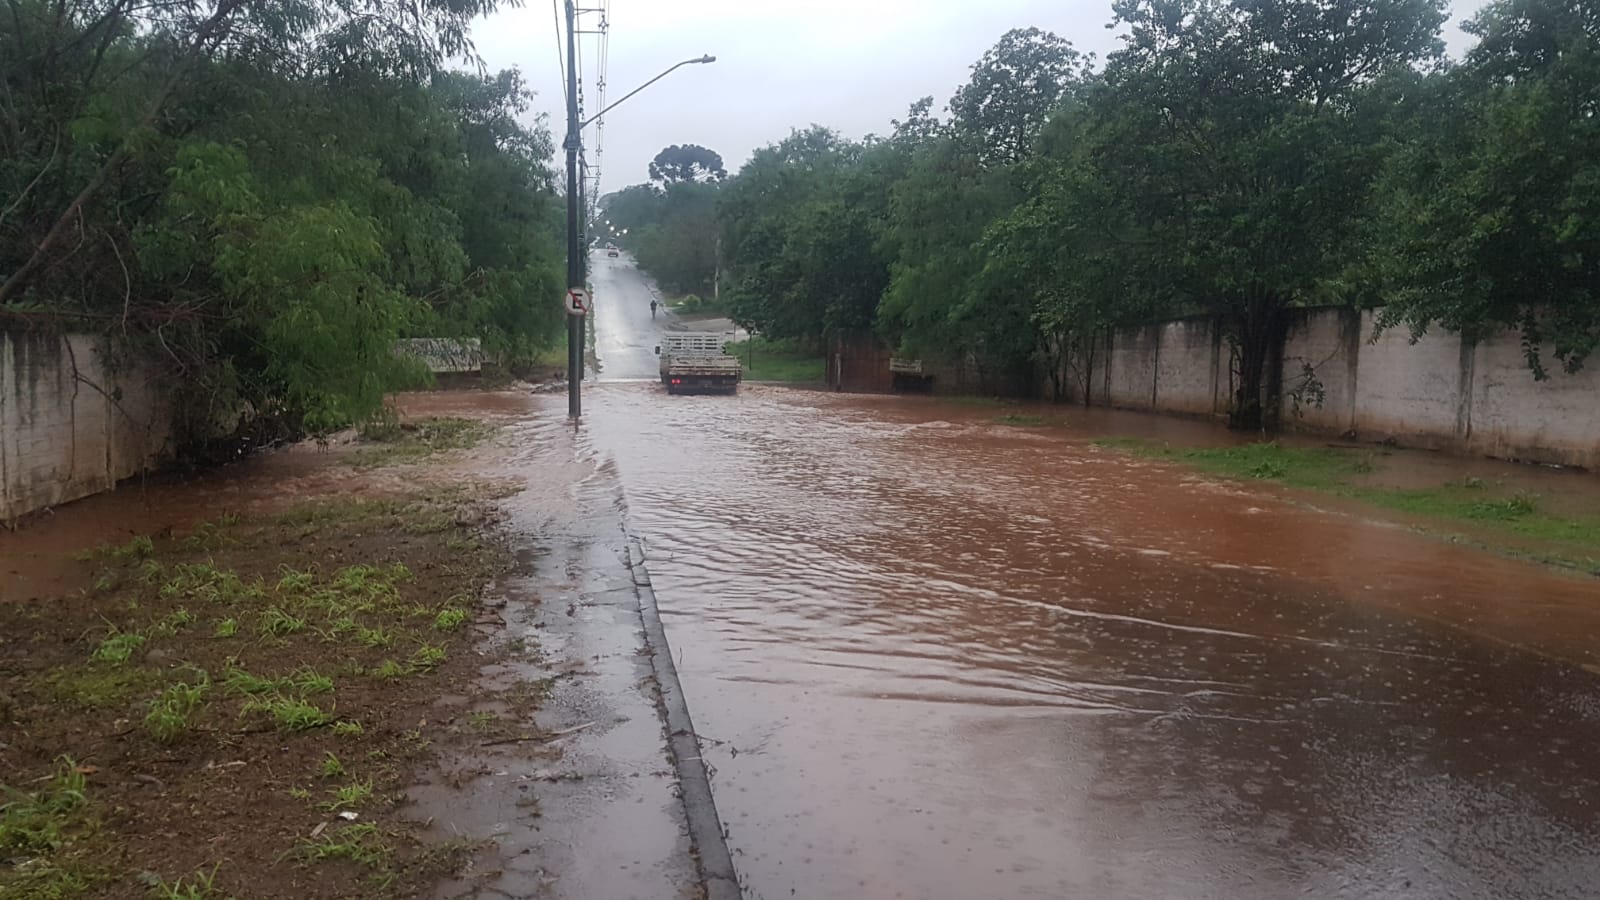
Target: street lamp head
708	58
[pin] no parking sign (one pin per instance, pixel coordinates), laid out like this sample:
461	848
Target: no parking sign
577	301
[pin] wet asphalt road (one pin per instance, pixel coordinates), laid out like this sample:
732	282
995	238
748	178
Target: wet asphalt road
935	657
626	335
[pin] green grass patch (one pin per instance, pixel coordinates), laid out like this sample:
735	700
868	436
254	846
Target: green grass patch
450	619
208	536
785	360
40	822
41	832
310	518
117	647
361	843
304	681
1308	467
389	444
389	670
293	581
274	622
1487	508
205	582
341	511
171	623
199	886
427	658
141	547
350	796
349	729
171	714
331	766
288	713
97	687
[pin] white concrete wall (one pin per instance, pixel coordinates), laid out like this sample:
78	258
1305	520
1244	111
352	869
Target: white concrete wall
70	423
1329	341
1414	393
1131	367
1186	370
1435	392
1513	416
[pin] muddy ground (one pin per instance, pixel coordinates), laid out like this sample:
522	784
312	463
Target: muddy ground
235	707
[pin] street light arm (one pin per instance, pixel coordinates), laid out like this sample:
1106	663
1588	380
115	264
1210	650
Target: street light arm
704	59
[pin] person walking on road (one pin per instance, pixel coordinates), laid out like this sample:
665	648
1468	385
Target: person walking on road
652	309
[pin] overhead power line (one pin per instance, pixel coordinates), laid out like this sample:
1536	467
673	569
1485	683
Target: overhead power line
561	66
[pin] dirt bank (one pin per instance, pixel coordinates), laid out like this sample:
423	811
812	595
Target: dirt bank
232	702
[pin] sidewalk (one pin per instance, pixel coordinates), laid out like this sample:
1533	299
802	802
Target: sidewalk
597	801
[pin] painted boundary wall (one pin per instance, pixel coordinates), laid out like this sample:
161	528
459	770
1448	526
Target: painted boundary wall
1439	392
72	424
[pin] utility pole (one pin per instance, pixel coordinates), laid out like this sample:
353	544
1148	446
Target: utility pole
583	244
575	250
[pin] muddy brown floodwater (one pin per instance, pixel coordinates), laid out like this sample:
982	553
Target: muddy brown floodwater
933	657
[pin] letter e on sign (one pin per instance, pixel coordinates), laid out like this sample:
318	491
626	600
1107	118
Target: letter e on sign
577	301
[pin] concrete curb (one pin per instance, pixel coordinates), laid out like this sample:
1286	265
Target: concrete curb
705	827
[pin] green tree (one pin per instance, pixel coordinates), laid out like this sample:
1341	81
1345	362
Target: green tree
679	247
794	247
1014	88
1491	212
934	305
1238	141
686	164
59	50
960	179
1059	255
317	188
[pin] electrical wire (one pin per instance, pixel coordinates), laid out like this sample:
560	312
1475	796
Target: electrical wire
561	65
602	65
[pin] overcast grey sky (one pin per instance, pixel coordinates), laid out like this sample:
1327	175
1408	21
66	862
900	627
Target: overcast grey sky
849	64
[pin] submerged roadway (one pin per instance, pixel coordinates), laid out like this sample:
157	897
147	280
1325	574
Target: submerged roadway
933	656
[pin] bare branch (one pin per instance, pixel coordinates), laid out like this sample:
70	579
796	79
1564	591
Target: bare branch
43	170
19	279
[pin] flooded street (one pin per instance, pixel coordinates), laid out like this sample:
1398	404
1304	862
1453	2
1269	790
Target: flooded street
932	656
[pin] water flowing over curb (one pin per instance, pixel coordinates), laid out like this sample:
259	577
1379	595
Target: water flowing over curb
705	827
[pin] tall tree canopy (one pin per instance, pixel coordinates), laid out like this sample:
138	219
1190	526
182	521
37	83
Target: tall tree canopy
1014	88
1491	214
687	163
1238	140
1234	159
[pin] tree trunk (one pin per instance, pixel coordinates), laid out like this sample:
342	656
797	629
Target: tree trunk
1260	330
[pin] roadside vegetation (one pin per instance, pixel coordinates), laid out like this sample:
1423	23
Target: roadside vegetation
781	360
261	197
1502	517
235	711
670	222
696	306
387	441
1231	159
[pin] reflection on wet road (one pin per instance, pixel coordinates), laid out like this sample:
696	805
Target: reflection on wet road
626	333
934	657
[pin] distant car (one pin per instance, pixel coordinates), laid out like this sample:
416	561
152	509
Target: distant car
612	252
